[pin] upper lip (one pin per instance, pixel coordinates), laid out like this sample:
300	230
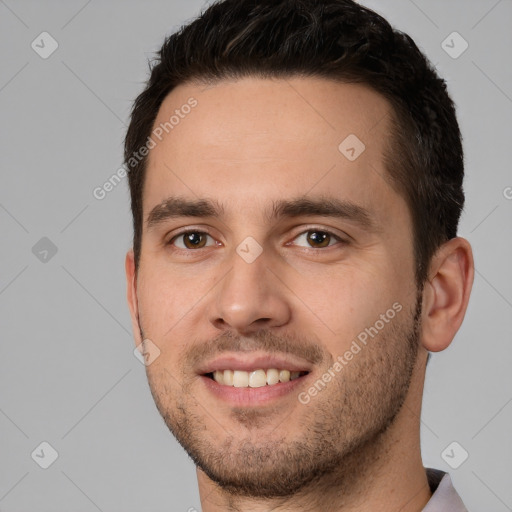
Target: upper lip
250	362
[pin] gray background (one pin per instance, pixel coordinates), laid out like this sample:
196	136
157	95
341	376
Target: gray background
68	375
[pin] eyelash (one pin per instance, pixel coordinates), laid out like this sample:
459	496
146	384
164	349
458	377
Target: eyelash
309	230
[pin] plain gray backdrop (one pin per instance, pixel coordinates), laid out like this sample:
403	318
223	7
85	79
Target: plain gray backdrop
68	375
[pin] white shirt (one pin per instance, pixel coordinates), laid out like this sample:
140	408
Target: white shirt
444	497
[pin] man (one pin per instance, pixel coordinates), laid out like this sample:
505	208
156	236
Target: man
296	174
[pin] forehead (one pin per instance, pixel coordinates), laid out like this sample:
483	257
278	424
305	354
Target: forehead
249	142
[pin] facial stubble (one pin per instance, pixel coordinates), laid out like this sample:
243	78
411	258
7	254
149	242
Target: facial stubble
339	428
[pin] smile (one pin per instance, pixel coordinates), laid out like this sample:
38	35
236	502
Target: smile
254	379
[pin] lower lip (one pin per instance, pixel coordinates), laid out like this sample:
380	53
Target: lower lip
246	397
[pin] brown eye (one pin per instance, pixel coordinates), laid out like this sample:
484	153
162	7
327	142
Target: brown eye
318	238
190	240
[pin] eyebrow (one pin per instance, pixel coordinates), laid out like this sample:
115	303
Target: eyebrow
174	207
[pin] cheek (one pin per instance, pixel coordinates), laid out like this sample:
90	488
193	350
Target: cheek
345	298
167	299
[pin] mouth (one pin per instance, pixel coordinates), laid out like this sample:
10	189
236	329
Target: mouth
250	389
254	379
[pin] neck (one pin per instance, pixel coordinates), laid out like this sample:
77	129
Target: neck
385	474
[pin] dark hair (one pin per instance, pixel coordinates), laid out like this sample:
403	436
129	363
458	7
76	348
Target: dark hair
332	39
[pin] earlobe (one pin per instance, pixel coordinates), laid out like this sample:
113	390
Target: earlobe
446	293
131	294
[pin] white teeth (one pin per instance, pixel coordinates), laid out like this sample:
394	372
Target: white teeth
240	379
284	376
254	379
228	378
272	376
257	379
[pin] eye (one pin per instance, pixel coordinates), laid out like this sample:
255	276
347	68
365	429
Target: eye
319	238
191	240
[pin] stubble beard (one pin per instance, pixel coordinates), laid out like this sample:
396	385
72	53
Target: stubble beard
340	428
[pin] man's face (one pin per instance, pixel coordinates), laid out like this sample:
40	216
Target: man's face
270	281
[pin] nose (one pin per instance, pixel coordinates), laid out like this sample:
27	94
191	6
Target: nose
250	297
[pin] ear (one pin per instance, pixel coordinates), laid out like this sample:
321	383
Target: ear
446	293
131	294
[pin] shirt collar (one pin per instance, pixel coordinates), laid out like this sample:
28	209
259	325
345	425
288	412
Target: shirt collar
444	496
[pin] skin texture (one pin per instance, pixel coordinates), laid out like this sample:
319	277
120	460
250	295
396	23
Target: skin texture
355	445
